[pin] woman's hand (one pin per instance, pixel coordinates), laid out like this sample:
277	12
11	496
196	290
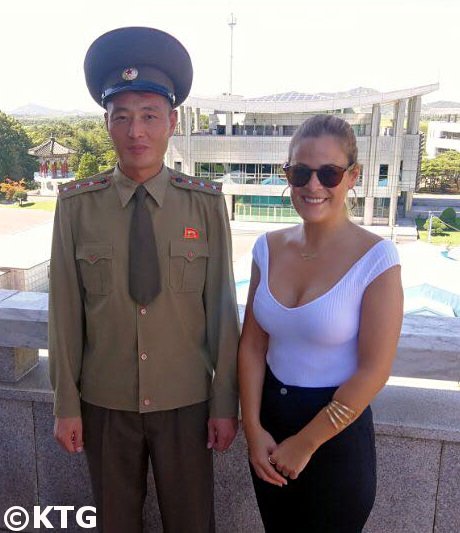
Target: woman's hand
291	456
261	445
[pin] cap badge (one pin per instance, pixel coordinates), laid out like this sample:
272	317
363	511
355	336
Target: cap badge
130	74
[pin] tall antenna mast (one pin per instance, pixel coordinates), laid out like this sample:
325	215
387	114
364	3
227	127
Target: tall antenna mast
231	23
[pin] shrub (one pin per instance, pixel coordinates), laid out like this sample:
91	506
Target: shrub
20	197
10	187
449	216
437	226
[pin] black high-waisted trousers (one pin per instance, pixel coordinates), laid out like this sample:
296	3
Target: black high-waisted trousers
336	491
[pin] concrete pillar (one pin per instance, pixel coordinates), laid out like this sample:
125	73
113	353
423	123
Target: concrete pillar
409	200
368	210
196	125
394	167
182	120
188	142
229	204
228	123
413	115
370	172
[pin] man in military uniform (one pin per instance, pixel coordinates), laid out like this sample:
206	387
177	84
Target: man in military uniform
143	318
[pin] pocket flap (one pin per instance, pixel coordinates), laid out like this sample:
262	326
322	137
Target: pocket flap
93	252
189	250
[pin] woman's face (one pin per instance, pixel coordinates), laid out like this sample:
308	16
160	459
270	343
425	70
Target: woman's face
314	202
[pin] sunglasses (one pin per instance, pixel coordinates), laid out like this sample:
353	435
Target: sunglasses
299	175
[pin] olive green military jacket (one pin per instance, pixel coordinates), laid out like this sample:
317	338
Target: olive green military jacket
107	350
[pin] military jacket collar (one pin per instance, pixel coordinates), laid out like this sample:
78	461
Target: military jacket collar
156	186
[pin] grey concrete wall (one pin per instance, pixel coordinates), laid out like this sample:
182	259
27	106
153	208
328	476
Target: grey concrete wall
418	437
418	450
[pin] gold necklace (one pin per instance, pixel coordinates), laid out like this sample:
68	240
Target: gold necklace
307	256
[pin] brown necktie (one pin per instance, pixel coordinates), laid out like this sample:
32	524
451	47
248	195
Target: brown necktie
144	268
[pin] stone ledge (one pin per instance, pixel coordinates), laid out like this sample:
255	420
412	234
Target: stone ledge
428	414
23	319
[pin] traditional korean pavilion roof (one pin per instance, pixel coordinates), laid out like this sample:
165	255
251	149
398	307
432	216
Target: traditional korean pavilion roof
51	148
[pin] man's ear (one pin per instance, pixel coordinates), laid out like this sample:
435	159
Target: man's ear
173	117
106	119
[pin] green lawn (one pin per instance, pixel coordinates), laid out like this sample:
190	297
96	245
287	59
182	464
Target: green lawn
451	237
43	205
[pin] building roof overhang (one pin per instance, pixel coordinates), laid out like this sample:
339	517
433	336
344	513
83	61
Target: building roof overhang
51	148
239	104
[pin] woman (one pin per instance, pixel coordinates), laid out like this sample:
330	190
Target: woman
320	333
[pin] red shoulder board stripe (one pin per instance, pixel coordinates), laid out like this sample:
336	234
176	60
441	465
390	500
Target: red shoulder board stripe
75	185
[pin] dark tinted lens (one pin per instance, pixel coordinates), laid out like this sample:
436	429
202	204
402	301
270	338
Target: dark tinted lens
298	175
330	175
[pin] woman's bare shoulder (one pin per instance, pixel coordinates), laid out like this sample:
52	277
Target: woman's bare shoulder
366	238
282	236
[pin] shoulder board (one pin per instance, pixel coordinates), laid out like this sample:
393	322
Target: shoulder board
196	184
94	183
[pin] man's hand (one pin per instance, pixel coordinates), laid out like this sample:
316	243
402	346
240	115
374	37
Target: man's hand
69	433
221	432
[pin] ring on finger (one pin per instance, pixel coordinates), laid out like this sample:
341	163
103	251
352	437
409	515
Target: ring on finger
271	460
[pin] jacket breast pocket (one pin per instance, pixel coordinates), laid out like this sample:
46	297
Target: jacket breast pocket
95	263
187	266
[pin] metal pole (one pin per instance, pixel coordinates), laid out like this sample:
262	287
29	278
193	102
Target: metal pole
231	23
430	226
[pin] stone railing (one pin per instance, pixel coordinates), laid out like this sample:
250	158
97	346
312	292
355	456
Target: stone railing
417	426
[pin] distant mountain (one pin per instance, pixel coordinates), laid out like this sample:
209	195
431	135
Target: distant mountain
441	104
35	110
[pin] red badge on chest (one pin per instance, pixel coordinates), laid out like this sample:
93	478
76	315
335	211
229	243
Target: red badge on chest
191	233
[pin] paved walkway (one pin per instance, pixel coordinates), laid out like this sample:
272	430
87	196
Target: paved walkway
15	220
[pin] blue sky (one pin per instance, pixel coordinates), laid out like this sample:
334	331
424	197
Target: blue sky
302	45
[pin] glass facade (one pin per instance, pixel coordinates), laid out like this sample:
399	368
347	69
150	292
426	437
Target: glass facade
383	175
381	207
265	209
246	173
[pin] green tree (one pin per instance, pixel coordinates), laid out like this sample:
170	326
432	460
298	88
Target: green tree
88	135
14	143
450	164
88	166
449	216
442	171
110	158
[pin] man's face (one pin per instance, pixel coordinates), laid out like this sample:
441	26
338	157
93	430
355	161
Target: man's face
140	125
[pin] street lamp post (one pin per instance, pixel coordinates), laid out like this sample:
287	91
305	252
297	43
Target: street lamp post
430	225
231	23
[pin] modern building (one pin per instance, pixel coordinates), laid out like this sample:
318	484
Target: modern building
243	142
441	137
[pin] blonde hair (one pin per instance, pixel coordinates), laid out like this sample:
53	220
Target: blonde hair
320	125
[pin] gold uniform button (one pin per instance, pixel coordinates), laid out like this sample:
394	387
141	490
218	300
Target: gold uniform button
146	402
143	311
143	356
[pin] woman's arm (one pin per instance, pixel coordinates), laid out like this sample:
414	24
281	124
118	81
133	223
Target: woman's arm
251	372
379	330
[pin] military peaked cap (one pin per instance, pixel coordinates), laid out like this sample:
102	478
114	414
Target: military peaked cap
138	59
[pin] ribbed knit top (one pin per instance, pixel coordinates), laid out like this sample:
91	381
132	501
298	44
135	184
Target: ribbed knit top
316	344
